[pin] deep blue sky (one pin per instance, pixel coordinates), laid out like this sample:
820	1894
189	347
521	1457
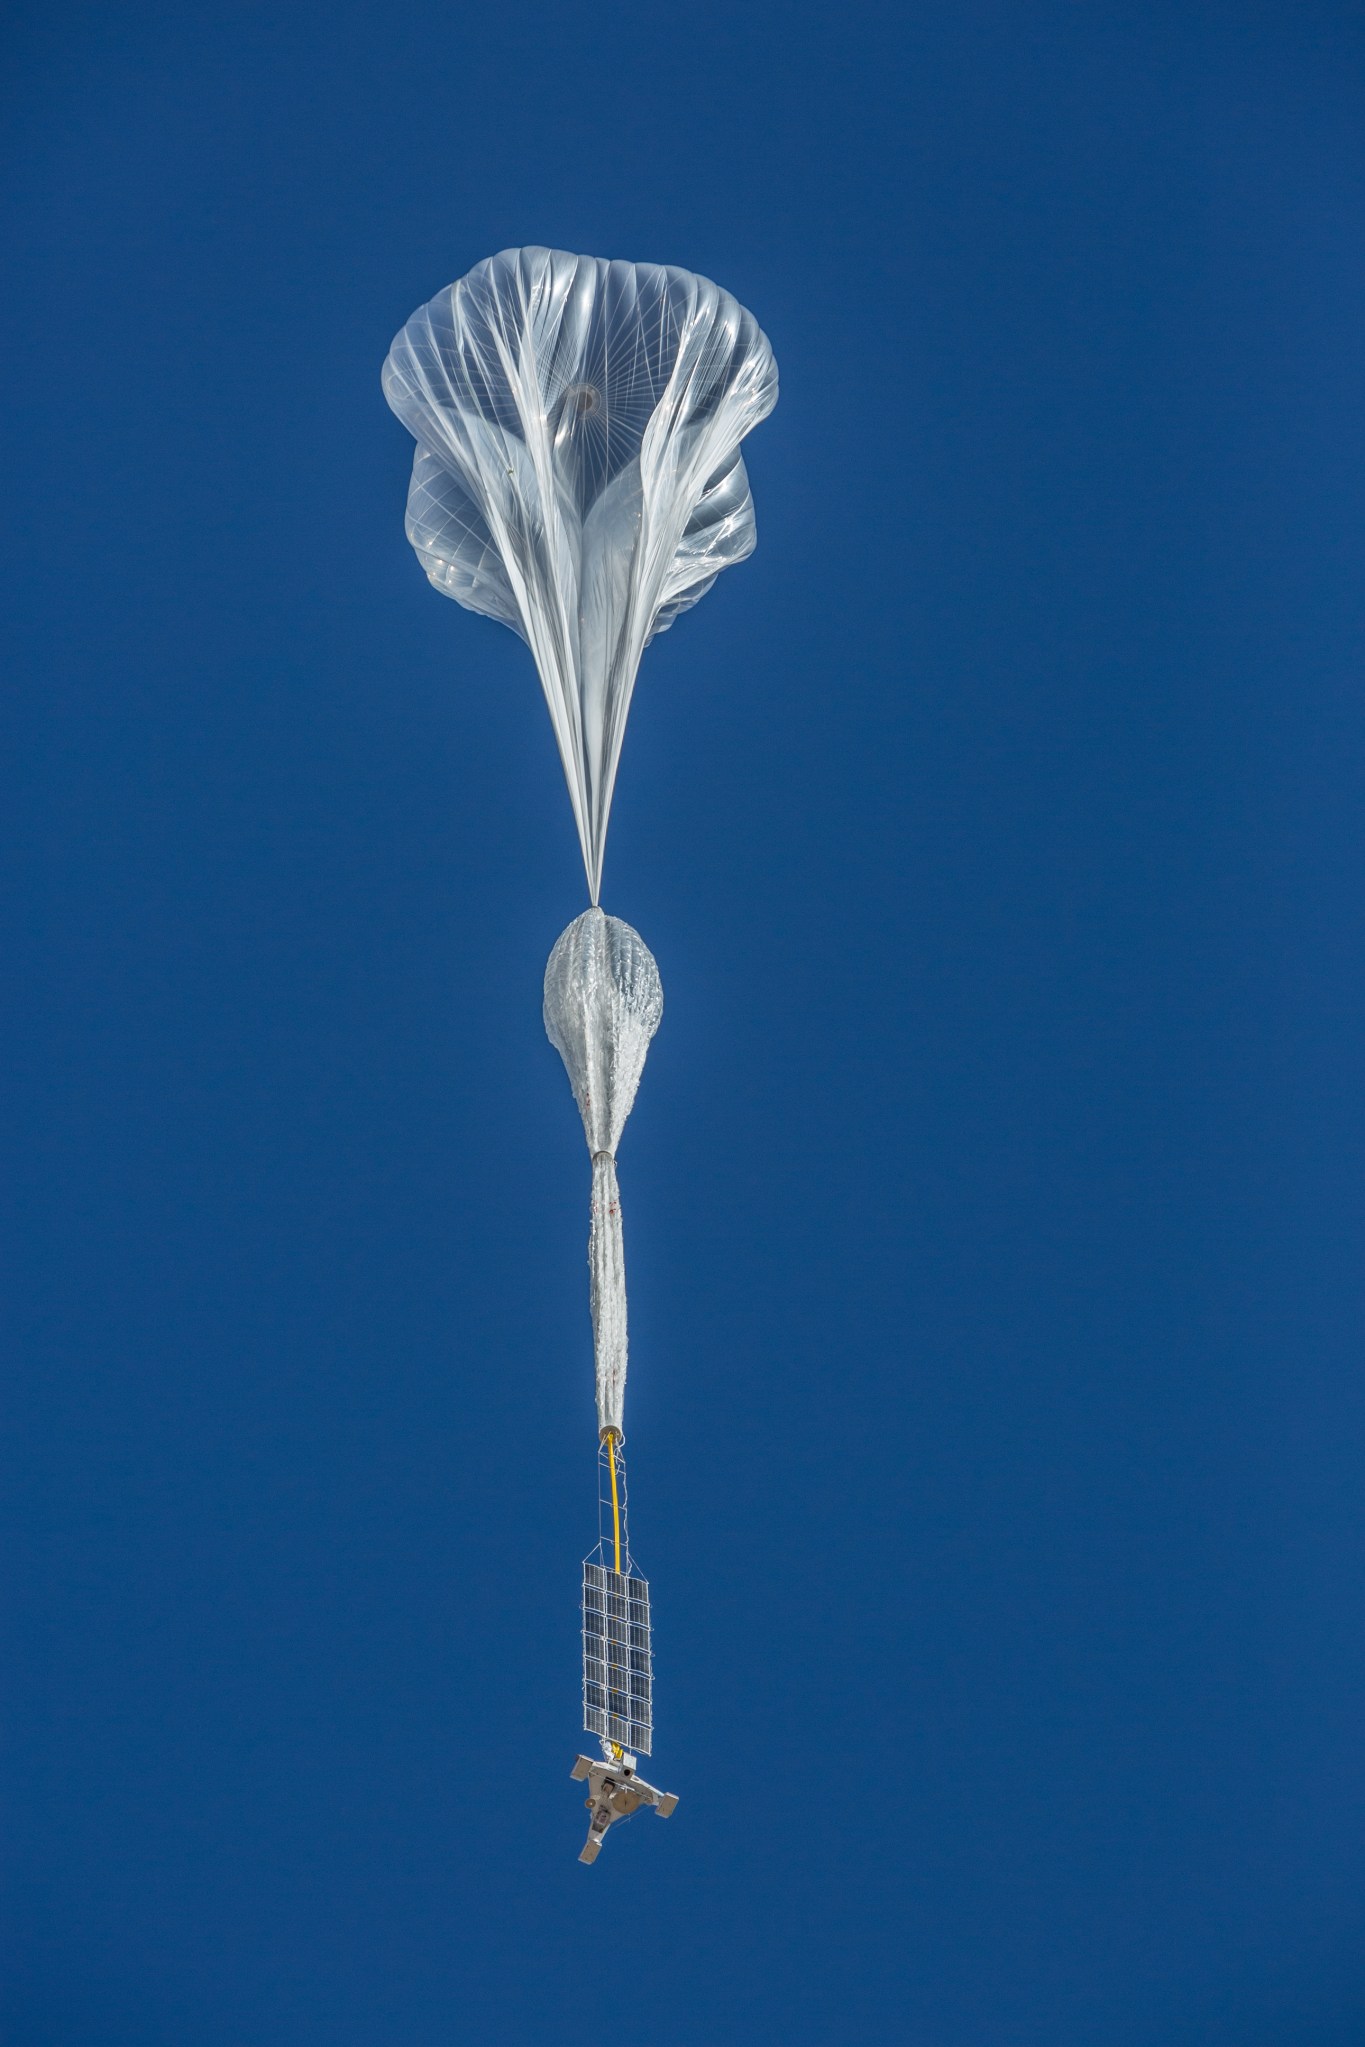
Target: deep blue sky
994	1190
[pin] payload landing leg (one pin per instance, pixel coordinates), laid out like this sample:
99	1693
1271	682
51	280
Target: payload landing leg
615	1793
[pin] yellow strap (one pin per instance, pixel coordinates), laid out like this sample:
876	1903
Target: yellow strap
615	1502
616	1747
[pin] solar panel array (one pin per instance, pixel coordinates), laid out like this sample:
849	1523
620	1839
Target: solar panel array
617	1664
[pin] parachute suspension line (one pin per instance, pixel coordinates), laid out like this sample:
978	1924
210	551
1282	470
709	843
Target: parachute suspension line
609	1439
615	1502
613	1505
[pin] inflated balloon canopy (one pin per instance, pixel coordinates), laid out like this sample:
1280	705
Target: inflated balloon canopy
578	473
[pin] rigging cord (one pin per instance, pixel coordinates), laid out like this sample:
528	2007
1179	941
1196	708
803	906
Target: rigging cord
610	1435
615	1501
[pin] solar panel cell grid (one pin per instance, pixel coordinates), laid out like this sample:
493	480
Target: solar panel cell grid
617	1663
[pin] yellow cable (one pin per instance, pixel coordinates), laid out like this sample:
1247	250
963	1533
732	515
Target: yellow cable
616	1747
615	1502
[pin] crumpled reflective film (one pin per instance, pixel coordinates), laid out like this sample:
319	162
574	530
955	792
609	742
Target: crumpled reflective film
578	474
603	1003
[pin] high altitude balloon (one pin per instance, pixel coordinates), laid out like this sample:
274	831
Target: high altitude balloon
578	477
578	473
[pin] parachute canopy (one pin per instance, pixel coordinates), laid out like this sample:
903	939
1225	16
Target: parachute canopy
578	473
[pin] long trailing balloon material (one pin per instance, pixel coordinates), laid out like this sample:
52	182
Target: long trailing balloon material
577	473
603	1002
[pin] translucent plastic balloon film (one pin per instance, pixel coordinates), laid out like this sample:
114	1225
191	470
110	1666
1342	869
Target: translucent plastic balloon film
578	472
607	1294
603	1002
